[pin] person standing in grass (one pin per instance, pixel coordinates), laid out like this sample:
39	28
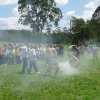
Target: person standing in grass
24	56
1	57
75	55
95	52
18	61
51	62
32	60
81	50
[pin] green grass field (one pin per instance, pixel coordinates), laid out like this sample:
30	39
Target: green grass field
82	86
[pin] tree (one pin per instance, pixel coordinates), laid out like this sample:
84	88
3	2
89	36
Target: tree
94	29
96	14
77	24
39	14
94	24
78	29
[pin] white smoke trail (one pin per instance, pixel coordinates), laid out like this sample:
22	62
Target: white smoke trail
67	69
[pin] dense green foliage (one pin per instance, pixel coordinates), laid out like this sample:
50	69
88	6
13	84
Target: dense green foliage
39	14
86	30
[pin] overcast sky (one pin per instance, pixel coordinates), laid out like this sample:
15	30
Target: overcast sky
78	8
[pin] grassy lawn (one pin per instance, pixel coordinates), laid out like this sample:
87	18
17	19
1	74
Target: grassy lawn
83	86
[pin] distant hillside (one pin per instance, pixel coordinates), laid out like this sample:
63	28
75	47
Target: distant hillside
17	36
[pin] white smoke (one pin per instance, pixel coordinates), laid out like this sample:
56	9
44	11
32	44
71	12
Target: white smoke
67	69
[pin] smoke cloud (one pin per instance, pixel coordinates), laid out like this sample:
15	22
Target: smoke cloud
67	69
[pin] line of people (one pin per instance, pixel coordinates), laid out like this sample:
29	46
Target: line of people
77	53
29	55
9	55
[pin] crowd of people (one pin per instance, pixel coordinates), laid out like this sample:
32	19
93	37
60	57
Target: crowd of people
30	54
78	53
